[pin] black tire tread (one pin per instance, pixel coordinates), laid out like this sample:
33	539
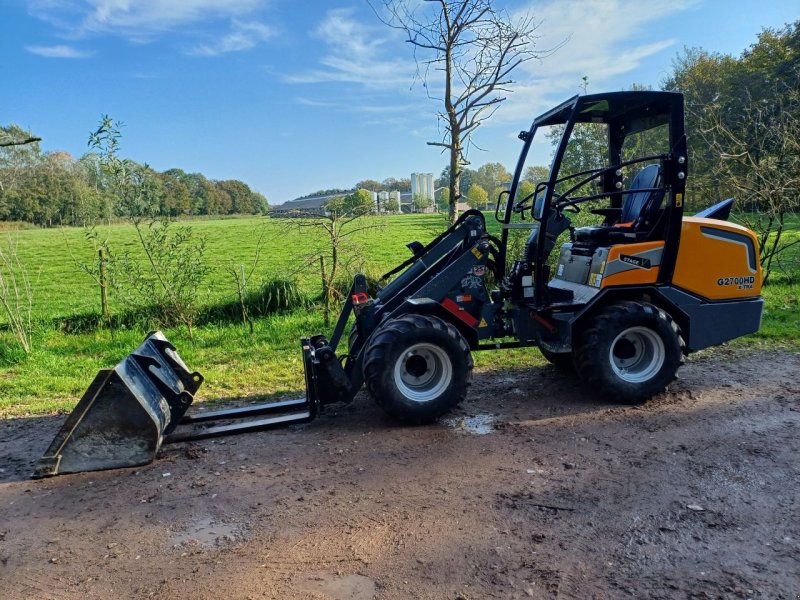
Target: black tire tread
615	318
386	336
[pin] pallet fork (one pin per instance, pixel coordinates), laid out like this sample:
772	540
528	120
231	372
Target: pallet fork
130	411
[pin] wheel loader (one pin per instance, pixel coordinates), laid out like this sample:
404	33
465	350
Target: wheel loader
621	303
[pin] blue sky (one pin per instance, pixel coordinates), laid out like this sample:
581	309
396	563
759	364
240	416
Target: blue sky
294	96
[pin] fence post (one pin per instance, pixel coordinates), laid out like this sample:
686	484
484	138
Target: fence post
325	292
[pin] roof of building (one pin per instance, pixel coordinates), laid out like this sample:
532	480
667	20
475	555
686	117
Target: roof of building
306	203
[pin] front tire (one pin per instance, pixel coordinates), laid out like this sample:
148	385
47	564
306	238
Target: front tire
417	367
630	352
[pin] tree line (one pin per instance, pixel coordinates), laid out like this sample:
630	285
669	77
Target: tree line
53	188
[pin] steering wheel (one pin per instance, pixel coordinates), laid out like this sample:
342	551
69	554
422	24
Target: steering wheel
563	204
520	207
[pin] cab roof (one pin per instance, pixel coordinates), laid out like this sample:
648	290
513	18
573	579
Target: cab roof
634	111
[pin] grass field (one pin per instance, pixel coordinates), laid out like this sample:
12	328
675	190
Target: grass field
235	362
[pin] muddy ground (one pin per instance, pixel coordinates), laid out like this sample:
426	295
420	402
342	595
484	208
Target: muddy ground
693	495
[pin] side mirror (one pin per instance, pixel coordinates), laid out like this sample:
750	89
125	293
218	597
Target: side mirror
538	208
538	201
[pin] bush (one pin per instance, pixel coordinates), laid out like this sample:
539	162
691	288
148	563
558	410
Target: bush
274	296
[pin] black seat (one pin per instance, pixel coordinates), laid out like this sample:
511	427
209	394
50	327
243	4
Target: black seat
637	217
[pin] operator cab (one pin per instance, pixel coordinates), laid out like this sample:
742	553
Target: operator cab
614	190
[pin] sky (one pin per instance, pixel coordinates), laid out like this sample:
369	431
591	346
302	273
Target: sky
292	96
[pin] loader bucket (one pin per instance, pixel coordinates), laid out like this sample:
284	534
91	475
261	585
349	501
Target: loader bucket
123	417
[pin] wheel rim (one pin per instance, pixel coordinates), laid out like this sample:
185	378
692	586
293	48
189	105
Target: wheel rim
422	372
637	354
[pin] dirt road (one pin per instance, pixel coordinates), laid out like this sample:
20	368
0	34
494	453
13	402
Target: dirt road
533	490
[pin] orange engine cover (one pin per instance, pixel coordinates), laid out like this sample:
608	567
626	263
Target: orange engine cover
717	260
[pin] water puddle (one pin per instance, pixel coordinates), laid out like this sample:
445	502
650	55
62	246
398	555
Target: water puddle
207	532
474	424
340	587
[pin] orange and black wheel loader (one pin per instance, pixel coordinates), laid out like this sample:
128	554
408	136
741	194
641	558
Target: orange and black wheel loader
621	303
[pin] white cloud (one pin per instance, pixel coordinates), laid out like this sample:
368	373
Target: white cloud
355	52
602	39
315	103
243	36
160	15
145	20
59	51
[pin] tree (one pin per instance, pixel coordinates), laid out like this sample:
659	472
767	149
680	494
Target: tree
330	192
19	151
391	184
370	185
239	194
171	277
743	114
465	180
477	196
359	202
491	175
473	49
260	202
216	200
495	194
587	149
421	203
135	186
444	199
175	197
392	205
524	189
765	168
536	174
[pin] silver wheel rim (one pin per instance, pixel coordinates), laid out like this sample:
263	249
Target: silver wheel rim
422	372
637	354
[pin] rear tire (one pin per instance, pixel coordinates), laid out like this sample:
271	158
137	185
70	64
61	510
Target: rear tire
417	367
629	352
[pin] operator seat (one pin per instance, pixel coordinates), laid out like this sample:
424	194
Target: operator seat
636	220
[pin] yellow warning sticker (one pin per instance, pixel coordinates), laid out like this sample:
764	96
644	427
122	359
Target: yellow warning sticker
679	200
483	323
478	254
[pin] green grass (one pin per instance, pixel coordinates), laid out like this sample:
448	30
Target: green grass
61	289
234	362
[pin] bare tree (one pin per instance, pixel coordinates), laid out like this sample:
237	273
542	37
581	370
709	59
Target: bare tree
470	49
337	251
242	277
